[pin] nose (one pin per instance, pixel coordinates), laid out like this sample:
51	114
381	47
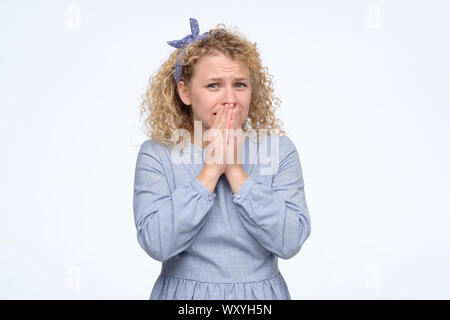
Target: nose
229	97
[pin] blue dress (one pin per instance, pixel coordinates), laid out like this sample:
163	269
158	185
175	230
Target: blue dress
220	245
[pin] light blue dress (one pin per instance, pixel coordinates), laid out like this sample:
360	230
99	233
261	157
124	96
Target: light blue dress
220	245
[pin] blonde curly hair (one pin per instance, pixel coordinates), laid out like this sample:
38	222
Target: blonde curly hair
163	110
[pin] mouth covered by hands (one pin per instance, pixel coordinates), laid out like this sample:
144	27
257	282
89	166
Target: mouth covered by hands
227	139
235	138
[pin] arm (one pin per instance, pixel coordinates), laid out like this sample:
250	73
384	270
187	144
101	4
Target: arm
167	222
276	216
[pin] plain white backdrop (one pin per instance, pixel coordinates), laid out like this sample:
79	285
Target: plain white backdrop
364	89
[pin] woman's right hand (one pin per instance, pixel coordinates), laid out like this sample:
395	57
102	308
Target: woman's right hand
215	159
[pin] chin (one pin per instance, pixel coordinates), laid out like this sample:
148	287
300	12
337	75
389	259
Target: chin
207	126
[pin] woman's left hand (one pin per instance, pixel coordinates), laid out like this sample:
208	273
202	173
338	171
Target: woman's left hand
236	138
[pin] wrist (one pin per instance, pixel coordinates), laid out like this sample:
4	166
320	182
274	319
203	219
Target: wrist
211	171
236	177
234	169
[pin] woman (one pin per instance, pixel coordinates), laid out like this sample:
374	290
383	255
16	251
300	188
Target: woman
218	225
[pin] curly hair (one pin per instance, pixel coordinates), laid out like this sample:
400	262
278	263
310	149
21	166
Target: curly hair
163	110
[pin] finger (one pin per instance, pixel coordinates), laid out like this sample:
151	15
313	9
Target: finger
223	121
223	114
229	120
230	126
220	125
216	126
237	116
224	125
218	117
218	120
229	116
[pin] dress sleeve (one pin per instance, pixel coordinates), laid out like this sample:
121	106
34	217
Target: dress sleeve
277	216
167	222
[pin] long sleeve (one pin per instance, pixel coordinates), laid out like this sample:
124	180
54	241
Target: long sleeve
167	222
277	216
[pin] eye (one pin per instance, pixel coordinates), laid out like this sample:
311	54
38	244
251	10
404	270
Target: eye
213	84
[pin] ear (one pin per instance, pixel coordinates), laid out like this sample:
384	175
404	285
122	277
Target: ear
183	92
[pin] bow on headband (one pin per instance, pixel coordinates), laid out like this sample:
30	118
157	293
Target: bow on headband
190	38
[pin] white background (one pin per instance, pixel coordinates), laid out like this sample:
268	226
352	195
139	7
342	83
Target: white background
364	90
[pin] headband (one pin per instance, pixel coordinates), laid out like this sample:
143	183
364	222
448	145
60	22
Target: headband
182	43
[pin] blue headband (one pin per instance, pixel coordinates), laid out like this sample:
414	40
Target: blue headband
190	38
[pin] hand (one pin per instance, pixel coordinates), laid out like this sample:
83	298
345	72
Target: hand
215	159
235	141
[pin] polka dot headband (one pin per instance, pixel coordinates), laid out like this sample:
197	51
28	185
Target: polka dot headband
190	38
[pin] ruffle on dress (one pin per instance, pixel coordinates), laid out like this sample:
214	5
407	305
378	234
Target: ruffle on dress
171	288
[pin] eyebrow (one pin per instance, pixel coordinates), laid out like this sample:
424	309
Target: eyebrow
220	79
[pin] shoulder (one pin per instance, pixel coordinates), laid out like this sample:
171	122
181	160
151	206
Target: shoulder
152	146
274	144
287	145
285	141
281	143
153	149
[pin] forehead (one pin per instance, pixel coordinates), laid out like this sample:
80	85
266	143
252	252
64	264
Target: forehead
220	66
